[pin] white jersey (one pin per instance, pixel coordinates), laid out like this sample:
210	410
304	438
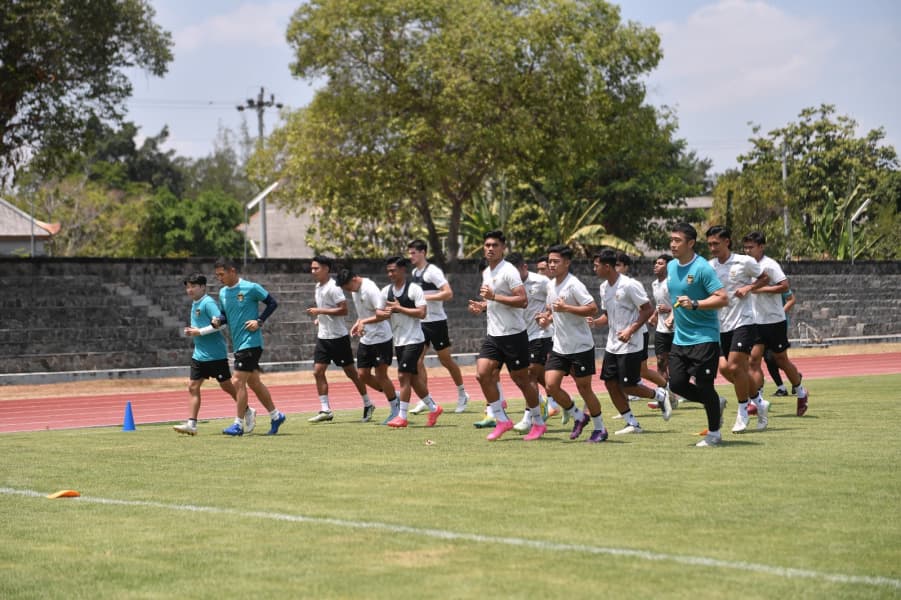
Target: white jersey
622	301
503	319
431	279
768	307
367	300
660	289
572	334
329	295
407	330
536	289
738	271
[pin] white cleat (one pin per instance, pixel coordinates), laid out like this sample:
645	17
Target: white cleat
713	438
250	420
763	415
524	426
462	401
419	408
667	403
629	429
741	423
186	428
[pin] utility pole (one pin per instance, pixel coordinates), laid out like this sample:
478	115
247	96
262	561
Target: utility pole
785	225
260	105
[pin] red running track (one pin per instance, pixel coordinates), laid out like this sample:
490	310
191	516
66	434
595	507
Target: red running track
67	412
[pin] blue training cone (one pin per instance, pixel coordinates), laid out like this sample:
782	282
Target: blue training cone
129	423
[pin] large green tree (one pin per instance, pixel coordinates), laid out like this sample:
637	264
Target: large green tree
62	63
424	100
829	171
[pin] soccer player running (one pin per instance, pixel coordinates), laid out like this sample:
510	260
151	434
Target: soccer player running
240	302
210	357
660	320
697	294
332	338
625	308
405	305
506	342
434	326
772	325
569	306
740	276
375	350
541	339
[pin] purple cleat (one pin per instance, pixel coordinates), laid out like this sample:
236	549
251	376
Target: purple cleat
579	426
597	436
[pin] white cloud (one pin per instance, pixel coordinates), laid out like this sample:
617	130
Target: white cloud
249	25
737	51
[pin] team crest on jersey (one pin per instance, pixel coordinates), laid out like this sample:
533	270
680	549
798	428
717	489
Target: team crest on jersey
240	297
197	312
690	279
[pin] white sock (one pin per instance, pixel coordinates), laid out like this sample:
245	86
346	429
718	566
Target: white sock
499	413
743	409
781	387
629	418
552	403
366	400
489	412
394	404
801	391
598	422
323	404
575	412
404	407
192	422
527	416
535	415
660	395
500	392
239	421
461	390
273	414
430	403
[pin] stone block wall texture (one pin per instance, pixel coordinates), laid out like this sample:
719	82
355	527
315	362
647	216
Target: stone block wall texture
98	314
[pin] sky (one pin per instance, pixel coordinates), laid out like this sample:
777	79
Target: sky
726	63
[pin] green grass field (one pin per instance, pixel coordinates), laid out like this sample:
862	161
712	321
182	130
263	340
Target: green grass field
808	509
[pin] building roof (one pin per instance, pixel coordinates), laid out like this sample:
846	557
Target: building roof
15	223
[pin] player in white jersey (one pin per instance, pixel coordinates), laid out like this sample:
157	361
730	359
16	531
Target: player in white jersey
569	304
624	265
405	305
507	341
541	339
625	308
740	276
434	326
772	326
660	320
375	349
332	337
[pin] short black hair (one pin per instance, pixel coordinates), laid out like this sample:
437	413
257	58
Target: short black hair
325	261
540	259
722	232
344	277
687	229
755	237
516	259
622	257
495	234
399	261
664	257
195	278
226	263
561	249
418	245
606	257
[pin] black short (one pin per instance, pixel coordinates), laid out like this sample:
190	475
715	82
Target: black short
774	336
624	368
699	361
335	350
539	348
436	334
580	364
644	348
374	355
510	350
248	360
663	342
204	369
408	357
738	340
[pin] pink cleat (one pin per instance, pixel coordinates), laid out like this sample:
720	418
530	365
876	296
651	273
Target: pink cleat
536	432
397	422
433	417
501	428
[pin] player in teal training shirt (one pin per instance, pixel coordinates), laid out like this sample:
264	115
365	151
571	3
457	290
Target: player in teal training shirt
696	293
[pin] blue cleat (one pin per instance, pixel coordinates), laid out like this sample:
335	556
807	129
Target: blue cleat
276	423
234	430
394	412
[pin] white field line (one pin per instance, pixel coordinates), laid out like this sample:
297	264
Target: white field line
546	546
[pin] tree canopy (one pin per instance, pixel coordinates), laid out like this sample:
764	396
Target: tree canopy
62	65
830	171
424	101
